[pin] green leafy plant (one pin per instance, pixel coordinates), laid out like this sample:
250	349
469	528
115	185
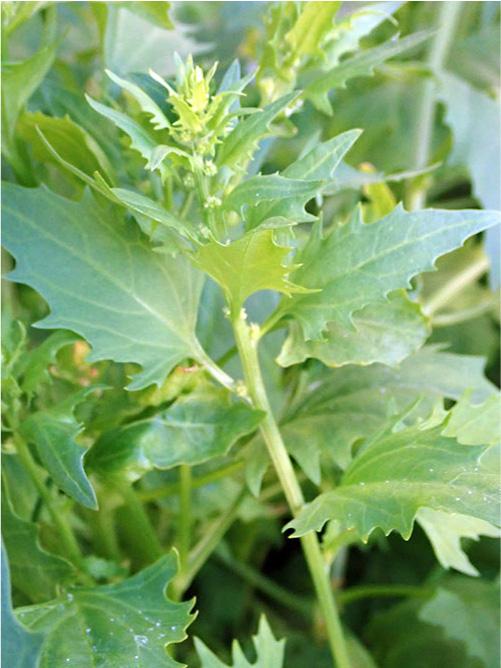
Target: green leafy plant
246	339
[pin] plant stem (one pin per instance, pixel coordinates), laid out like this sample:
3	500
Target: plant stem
267	586
447	18
184	531
139	524
457	283
247	347
204	548
379	591
200	481
215	371
68	539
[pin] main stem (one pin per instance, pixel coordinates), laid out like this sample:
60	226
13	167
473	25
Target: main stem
447	18
247	343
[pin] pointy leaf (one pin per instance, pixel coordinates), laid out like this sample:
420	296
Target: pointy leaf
129	623
357	264
269	651
399	473
385	333
361	64
103	280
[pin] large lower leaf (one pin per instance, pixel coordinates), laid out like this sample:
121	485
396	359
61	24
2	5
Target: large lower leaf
196	428
354	402
103	281
20	647
269	651
399	473
385	333
112	626
34	571
358	263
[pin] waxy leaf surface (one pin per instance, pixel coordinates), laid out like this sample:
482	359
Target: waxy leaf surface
196	428
103	281
357	263
113	626
394	476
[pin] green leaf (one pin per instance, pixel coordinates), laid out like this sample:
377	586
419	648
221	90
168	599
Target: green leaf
54	432
19	82
355	402
141	139
399	473
237	148
323	159
124	624
385	333
269	652
153	210
473	425
274	197
362	64
468	612
74	144
242	267
314	22
103	281
20	647
155	12
197	427
34	571
147	104
358	264
35	362
445	531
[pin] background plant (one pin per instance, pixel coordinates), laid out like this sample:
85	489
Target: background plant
244	321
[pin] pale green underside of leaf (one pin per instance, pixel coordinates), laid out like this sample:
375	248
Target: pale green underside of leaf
254	262
355	402
20	647
385	333
359	264
445	531
34	571
113	626
196	428
476	424
147	104
362	64
396	475
103	281
269	651
468	611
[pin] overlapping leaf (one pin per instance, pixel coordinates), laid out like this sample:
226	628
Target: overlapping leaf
385	333
399	473
125	624
355	402
103	281
196	428
358	264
